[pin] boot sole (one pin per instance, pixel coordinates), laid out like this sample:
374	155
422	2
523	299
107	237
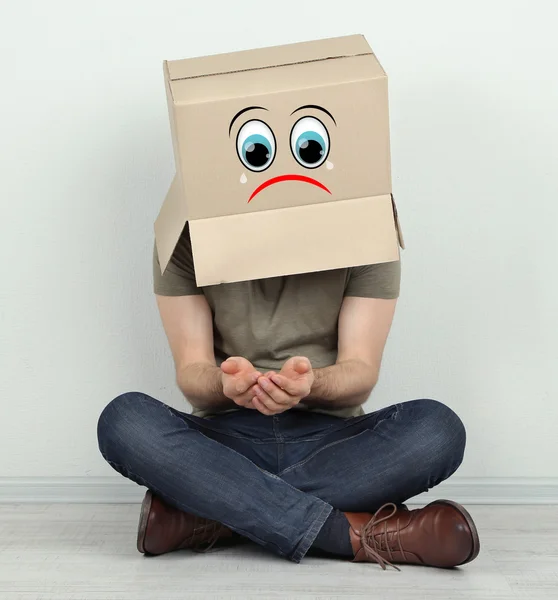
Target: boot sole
144	517
474	533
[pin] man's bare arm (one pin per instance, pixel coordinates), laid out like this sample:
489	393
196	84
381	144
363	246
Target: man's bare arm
364	325
189	327
188	324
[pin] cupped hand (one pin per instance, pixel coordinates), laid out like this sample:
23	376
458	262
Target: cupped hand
277	392
239	379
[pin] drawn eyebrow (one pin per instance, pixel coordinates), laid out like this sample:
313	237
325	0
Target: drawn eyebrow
318	108
243	111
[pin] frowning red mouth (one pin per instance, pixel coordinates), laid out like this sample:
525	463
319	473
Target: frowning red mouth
280	178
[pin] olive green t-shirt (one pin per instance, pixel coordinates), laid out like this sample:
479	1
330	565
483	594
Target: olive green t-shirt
267	321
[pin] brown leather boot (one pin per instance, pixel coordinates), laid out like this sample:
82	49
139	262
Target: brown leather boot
441	534
163	528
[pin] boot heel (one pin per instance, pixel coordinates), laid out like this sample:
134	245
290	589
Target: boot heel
144	516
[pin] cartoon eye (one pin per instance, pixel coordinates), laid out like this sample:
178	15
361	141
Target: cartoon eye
310	142
255	144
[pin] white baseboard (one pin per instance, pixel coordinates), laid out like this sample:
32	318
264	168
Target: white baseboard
95	490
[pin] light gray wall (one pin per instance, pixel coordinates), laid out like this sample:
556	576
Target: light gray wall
85	159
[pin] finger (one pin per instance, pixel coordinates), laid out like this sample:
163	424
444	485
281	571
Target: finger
271	411
244	403
241	384
230	366
247	396
276	393
288	385
266	399
245	381
258	405
302	365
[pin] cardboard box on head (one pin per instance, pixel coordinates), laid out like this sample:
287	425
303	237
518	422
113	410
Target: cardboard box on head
282	161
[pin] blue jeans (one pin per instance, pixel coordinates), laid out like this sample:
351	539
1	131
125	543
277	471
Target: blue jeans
275	479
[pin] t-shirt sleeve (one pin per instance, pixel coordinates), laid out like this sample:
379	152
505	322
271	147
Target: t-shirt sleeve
375	281
179	278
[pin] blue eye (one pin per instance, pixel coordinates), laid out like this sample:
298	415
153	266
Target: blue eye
309	142
256	150
255	145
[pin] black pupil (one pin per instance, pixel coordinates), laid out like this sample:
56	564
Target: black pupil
256	154
310	151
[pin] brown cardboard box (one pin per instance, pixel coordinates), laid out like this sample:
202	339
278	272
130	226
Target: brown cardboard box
282	161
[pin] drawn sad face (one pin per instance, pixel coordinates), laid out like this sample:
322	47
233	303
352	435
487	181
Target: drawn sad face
256	145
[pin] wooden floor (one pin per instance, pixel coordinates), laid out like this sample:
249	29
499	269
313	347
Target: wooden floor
87	552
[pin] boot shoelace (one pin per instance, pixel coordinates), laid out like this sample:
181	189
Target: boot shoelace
373	542
205	535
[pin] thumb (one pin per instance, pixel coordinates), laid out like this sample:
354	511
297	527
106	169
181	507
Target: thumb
302	365
230	366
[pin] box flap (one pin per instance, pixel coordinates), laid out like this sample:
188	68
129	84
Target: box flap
256	245
397	224
170	223
263	58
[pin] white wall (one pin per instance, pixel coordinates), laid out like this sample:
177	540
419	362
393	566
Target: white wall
85	159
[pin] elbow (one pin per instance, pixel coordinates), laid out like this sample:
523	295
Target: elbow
193	400
197	403
363	397
181	382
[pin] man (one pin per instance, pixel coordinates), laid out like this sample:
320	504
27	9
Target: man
278	449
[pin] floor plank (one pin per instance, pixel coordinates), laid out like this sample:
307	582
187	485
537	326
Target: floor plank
87	552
